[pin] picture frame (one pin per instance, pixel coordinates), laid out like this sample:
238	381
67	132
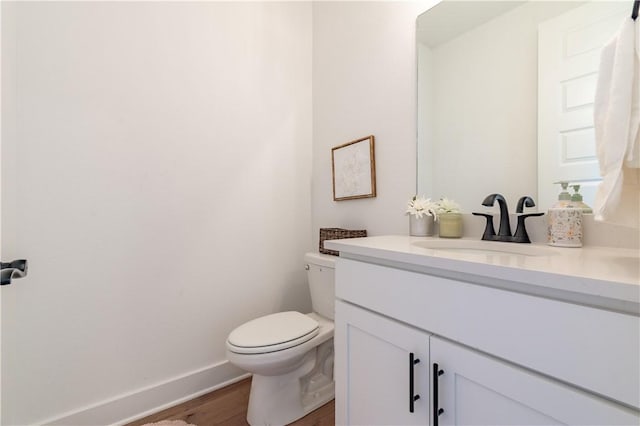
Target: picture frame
353	168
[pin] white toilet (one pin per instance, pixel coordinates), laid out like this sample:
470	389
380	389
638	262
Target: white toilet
290	354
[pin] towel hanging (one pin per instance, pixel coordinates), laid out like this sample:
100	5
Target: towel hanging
617	128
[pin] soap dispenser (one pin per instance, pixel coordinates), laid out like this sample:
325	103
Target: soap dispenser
576	199
564	198
564	221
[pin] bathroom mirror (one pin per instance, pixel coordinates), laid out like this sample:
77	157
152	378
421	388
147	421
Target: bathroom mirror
482	93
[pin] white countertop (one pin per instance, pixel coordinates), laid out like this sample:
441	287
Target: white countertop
602	276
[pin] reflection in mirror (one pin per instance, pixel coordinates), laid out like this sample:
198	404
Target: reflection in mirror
505	94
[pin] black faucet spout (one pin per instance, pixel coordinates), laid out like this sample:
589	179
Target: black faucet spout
505	226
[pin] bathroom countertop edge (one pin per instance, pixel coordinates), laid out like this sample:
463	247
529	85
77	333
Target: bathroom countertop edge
588	275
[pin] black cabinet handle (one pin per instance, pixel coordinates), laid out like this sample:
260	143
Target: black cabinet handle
412	398
436	410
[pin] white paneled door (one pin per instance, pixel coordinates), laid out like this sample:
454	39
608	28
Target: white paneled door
568	62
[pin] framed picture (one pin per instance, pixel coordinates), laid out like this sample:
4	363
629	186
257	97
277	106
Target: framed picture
354	170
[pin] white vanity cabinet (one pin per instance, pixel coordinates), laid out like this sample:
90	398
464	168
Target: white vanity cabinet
507	358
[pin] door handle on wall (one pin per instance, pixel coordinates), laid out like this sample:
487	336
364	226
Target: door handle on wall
13	269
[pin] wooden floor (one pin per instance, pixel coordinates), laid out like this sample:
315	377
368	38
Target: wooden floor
228	406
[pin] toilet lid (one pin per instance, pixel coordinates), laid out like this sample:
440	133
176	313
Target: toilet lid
273	333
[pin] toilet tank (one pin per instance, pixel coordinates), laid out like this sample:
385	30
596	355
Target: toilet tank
320	274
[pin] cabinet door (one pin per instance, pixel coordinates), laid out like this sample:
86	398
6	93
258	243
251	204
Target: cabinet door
475	389
374	370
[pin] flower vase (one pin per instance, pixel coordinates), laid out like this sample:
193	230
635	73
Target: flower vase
421	226
450	225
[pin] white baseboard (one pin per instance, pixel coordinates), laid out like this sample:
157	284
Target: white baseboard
140	403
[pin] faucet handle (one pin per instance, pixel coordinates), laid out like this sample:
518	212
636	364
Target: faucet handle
523	202
521	235
489	230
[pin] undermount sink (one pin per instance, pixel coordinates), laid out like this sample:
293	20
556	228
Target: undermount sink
480	247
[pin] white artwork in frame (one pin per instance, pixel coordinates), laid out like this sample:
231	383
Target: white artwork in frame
353	166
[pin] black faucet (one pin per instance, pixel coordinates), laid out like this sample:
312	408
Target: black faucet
504	232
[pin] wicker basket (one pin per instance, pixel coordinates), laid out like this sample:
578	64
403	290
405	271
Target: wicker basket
338	234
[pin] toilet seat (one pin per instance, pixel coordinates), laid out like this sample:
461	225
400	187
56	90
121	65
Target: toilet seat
272	333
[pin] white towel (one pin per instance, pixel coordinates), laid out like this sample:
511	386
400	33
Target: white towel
617	126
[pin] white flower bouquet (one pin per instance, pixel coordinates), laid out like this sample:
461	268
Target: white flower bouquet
420	206
445	205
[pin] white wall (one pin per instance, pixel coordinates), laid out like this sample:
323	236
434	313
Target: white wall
364	82
158	181
426	114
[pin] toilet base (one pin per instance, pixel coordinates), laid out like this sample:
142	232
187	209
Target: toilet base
280	400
